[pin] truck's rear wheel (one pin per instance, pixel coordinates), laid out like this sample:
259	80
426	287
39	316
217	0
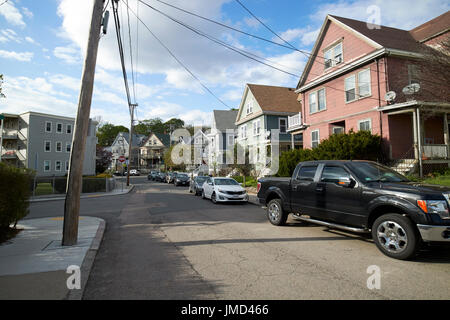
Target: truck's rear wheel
396	236
275	213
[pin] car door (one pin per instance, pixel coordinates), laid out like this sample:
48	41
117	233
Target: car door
208	187
303	186
339	195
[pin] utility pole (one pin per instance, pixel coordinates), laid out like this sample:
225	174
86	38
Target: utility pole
132	106
75	177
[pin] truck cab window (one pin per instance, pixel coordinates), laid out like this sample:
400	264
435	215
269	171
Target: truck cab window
334	174
307	173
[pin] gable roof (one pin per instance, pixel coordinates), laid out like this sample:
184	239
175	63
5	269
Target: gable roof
432	28
225	119
164	138
386	37
275	99
382	36
137	138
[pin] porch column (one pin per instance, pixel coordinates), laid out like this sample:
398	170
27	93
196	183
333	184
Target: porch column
292	141
419	135
446	135
415	133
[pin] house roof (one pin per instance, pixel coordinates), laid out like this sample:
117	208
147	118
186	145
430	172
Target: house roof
225	119
432	28
137	138
387	37
275	99
164	138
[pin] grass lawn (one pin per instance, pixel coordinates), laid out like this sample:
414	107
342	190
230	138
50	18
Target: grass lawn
443	180
43	188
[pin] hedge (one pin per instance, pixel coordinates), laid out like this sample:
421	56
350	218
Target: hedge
89	185
15	192
361	145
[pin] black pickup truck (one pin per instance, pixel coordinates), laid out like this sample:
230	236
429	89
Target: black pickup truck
361	196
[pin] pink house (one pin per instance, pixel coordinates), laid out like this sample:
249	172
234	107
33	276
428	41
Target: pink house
364	78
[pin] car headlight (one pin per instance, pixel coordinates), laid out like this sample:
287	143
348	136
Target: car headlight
222	191
439	207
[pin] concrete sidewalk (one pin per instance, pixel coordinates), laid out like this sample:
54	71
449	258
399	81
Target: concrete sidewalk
33	265
117	191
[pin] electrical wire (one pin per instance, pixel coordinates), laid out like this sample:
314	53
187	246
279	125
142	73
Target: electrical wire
180	62
131	52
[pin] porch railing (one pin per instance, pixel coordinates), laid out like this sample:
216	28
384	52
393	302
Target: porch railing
435	151
295	121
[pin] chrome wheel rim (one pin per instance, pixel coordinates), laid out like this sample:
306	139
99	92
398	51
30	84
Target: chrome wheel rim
392	237
274	212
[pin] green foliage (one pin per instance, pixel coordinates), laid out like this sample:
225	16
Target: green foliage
169	163
15	191
156	125
107	133
245	168
361	145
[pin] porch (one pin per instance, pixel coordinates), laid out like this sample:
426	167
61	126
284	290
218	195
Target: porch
419	138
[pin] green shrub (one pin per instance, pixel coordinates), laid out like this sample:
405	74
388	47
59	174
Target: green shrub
361	145
15	192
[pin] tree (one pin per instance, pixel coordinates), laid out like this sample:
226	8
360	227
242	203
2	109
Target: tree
1	82
245	169
145	127
107	133
169	163
103	160
173	124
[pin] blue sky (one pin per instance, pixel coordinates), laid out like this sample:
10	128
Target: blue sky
42	44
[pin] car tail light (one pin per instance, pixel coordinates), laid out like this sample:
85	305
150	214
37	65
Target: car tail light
258	187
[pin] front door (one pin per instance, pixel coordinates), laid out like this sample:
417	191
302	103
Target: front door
303	190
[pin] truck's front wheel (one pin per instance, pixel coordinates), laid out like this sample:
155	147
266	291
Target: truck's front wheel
396	236
275	213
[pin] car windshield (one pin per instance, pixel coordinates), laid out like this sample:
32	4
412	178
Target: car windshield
182	175
226	182
201	179
372	172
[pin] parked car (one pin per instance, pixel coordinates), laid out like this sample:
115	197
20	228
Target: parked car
181	179
161	177
152	175
196	185
134	172
361	196
170	177
224	189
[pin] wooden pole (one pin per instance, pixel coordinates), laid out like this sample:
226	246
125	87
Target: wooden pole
130	140
74	181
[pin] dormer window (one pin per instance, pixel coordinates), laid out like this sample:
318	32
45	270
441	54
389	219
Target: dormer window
333	56
249	107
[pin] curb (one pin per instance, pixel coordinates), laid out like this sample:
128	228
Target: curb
88	262
83	196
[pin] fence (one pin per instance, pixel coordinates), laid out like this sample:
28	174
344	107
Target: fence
57	185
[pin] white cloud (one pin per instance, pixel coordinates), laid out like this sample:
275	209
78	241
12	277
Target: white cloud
12	14
20	56
66	81
27	12
10	35
69	54
31	40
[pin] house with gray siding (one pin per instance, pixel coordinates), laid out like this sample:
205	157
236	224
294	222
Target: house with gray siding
42	142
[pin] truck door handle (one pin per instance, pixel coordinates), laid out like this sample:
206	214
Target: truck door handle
319	189
294	188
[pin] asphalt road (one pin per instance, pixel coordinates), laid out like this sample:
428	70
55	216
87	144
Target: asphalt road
163	243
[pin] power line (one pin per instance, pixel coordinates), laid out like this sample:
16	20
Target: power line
3	3
181	63
222	43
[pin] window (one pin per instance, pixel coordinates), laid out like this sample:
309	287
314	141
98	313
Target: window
315	138
364	83
350	89
231	140
249	107
333	56
59	127
68	146
58	146
365	125
46	165
334	174
67	165
307	173
413	74
282	124
244	131
256	127
47	146
57	165
360	81
69	128
48	126
317	101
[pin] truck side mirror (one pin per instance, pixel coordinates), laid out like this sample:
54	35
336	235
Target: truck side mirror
346	182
